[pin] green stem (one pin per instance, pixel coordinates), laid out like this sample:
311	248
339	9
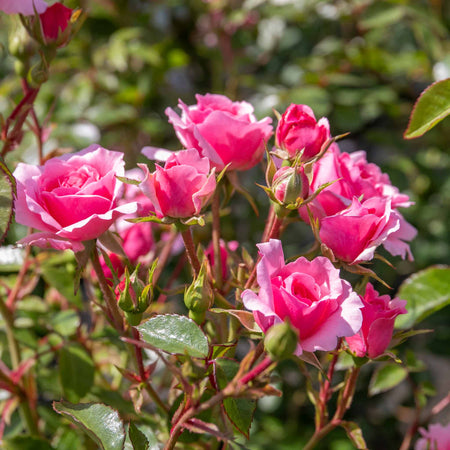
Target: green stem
111	303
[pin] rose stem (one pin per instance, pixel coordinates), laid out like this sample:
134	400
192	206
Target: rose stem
111	303
190	250
140	365
216	238
231	389
25	409
342	407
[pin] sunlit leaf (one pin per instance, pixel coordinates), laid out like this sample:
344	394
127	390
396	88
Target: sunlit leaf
175	334
426	292
432	106
100	422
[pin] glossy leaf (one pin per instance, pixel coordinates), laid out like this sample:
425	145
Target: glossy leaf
100	422
7	191
239	410
432	106
386	378
76	372
426	292
175	334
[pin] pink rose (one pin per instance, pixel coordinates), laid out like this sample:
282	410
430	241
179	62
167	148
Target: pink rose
437	437
317	302
298	130
54	21
24	7
354	233
353	176
183	187
379	313
72	198
222	130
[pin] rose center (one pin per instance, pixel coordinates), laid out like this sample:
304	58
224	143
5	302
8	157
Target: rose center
80	177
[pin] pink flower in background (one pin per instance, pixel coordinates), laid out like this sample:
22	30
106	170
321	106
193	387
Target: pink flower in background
55	20
25	7
317	302
72	198
379	313
224	247
298	130
223	131
354	233
437	437
183	187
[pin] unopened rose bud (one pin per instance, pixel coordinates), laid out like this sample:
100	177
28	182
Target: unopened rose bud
133	297
289	184
38	74
198	296
281	341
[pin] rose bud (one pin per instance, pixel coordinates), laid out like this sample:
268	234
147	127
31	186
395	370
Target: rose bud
281	341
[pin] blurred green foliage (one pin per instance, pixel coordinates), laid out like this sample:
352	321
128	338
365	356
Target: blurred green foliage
361	63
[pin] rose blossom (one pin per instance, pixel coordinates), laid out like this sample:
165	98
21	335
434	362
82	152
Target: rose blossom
222	130
183	187
354	177
54	21
437	437
24	7
298	130
354	233
379	313
70	199
317	302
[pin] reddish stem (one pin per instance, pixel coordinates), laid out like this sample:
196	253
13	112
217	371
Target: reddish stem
190	250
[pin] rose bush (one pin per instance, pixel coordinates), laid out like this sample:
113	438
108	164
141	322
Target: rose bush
379	313
317	302
225	132
298	130
25	7
183	187
71	198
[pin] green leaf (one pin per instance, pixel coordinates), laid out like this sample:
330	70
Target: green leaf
100	422
426	292
175	334
137	438
76	372
146	431
432	106
386	378
382	14
26	443
7	192
239	410
354	433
